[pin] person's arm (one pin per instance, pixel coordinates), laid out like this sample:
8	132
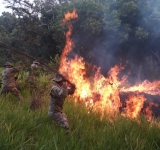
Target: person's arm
71	89
59	92
18	69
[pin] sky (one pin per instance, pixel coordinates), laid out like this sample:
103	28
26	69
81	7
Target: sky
2	7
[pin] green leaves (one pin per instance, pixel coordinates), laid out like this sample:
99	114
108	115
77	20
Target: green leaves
140	33
92	26
37	27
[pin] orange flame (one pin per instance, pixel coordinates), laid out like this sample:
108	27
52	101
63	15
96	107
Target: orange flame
148	111
134	105
69	43
97	91
145	87
68	16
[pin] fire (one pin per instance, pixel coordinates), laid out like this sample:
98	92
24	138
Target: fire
97	91
69	16
146	87
134	105
69	43
148	111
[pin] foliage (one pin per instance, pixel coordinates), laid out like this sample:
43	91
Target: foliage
23	128
122	29
54	62
26	125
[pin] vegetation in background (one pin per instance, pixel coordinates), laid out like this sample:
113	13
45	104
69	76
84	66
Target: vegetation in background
104	33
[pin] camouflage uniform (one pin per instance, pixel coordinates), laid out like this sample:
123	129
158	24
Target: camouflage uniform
57	98
31	76
8	79
35	64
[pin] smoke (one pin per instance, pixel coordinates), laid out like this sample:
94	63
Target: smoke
150	16
131	41
97	51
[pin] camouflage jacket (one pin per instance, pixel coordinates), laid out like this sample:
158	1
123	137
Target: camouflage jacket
34	66
8	76
35	70
57	97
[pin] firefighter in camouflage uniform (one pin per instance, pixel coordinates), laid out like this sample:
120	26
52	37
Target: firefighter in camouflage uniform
35	66
58	93
33	74
9	80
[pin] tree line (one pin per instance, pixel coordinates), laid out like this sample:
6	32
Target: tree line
119	29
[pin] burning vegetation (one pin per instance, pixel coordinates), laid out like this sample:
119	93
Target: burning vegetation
107	94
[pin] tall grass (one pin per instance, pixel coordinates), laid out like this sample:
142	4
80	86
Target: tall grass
22	128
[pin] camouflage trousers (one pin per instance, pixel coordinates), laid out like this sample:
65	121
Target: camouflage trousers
61	119
13	90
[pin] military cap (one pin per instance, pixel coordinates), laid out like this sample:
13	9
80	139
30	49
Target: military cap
57	78
8	64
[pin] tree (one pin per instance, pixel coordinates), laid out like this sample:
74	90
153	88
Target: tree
117	29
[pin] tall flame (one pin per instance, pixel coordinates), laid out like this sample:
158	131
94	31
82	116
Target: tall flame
97	91
134	105
69	42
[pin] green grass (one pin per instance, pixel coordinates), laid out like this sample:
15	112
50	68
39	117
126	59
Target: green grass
24	129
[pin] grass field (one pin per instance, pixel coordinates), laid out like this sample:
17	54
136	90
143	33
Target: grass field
22	128
1	69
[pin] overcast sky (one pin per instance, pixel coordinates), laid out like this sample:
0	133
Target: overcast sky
2	7
3	4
